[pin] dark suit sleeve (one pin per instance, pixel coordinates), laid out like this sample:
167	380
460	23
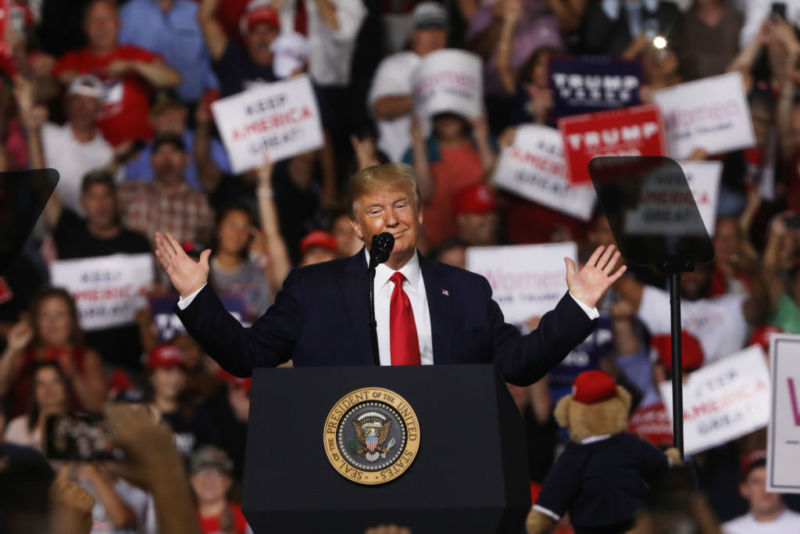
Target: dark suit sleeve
523	360
268	342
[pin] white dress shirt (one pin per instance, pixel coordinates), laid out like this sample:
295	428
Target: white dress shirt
414	286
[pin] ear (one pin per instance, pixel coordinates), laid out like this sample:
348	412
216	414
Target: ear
357	229
562	411
625	395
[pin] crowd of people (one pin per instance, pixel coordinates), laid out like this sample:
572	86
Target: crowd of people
116	95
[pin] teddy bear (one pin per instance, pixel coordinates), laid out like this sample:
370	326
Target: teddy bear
601	476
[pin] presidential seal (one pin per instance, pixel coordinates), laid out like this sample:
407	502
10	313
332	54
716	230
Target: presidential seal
371	436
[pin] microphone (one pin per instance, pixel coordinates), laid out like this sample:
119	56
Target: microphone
381	249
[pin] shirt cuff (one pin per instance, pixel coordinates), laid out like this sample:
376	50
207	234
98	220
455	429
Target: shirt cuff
184	302
549	513
591	312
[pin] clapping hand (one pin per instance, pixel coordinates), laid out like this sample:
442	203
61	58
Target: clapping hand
592	281
185	274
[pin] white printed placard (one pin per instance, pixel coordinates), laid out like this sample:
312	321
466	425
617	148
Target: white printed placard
724	400
526	280
277	120
783	436
448	81
108	289
710	113
534	168
704	179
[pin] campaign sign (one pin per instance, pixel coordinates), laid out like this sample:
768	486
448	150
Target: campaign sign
633	131
710	113
526	280
534	168
277	120
108	289
448	81
584	84
169	324
665	207
723	401
783	437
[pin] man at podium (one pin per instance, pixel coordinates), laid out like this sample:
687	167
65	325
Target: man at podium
426	312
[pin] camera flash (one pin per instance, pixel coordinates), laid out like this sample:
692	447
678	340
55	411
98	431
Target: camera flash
659	42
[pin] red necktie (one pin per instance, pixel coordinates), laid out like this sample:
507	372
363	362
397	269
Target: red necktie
402	328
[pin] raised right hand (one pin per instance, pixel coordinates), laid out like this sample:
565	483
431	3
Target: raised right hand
185	274
19	336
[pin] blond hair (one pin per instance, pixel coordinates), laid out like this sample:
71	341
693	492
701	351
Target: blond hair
377	177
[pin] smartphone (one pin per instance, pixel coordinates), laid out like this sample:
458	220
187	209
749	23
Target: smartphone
79	437
779	8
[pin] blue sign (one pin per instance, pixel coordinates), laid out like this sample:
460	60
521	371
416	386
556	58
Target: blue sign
584	84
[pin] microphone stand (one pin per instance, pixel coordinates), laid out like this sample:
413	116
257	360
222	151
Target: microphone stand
373	324
382	245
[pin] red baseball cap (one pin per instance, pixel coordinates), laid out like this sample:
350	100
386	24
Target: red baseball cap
318	238
756	458
478	198
260	12
692	352
166	355
593	386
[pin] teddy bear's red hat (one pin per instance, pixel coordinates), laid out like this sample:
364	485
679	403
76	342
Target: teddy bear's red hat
593	386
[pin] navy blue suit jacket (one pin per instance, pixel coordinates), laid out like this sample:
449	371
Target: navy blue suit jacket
320	318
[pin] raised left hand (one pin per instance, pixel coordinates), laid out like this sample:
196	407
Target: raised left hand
590	283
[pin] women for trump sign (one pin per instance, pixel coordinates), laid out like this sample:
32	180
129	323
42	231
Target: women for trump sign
526	280
710	113
448	81
275	121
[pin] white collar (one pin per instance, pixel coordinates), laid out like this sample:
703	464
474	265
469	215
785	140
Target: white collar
593	439
410	270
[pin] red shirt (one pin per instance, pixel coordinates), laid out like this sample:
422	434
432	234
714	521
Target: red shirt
210	525
126	106
459	167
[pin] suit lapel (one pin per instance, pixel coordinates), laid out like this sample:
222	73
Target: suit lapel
439	305
355	296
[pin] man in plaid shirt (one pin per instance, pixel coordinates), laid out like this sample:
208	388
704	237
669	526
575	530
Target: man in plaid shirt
167	203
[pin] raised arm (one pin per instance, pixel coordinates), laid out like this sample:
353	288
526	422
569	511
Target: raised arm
208	173
11	361
508	77
213	33
278	266
420	161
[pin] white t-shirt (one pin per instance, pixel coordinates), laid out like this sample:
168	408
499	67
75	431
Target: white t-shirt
718	323
785	523
72	159
17	432
393	78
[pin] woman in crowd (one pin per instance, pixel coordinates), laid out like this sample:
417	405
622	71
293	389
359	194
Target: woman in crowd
457	154
166	379
49	396
246	262
53	334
